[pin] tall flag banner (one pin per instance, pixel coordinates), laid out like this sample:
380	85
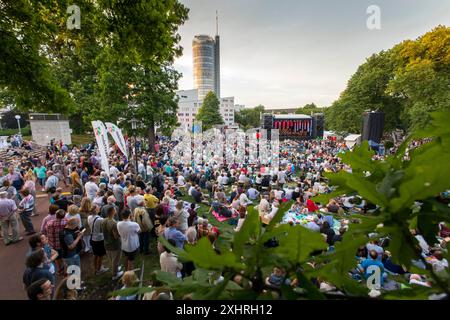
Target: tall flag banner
101	137
117	135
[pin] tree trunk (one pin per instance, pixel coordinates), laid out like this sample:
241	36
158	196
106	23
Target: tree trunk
151	136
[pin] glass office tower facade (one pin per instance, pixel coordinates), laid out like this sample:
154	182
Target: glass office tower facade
206	65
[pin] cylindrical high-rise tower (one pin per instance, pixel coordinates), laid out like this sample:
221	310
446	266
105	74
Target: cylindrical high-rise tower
204	64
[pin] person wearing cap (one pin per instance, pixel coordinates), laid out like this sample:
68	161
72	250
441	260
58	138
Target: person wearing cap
8	218
52	182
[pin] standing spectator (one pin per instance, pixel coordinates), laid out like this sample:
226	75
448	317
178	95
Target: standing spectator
41	173
112	242
76	180
110	203
119	194
129	233
85	210
182	215
15	178
31	186
49	217
150	203
70	238
73	212
11	191
26	207
142	218
52	183
97	241
84	175
91	188
53	229
8	218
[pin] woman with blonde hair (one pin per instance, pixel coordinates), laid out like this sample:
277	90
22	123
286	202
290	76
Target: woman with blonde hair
31	186
72	212
142	218
86	207
182	216
129	280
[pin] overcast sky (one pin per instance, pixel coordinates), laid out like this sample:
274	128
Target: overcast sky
286	53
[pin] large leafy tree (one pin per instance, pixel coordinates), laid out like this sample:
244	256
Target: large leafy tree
209	112
129	91
26	77
65	68
309	108
250	117
406	83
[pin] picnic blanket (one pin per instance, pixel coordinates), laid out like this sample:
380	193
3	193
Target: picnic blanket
221	218
299	218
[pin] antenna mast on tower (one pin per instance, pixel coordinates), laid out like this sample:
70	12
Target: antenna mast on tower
217	23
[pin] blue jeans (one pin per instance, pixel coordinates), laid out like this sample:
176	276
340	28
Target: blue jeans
26	220
42	182
75	260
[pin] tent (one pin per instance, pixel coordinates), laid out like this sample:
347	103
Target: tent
352	140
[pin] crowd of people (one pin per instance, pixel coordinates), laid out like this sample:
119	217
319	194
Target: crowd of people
114	217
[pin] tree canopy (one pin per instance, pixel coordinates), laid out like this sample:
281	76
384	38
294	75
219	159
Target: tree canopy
406	82
249	117
48	68
209	112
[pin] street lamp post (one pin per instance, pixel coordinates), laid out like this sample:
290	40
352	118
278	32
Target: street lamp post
134	127
18	124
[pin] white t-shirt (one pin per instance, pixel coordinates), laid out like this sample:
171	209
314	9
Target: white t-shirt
239	225
91	189
244	200
114	171
129	233
181	181
278	194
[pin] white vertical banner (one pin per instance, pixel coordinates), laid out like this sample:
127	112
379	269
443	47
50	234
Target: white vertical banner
275	150
264	147
230	146
252	146
101	136
197	130
117	135
176	153
240	146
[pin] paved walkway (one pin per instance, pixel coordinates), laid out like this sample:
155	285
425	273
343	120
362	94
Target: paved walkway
12	257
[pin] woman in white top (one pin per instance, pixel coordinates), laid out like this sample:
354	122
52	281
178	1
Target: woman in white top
169	262
182	215
97	240
244	200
